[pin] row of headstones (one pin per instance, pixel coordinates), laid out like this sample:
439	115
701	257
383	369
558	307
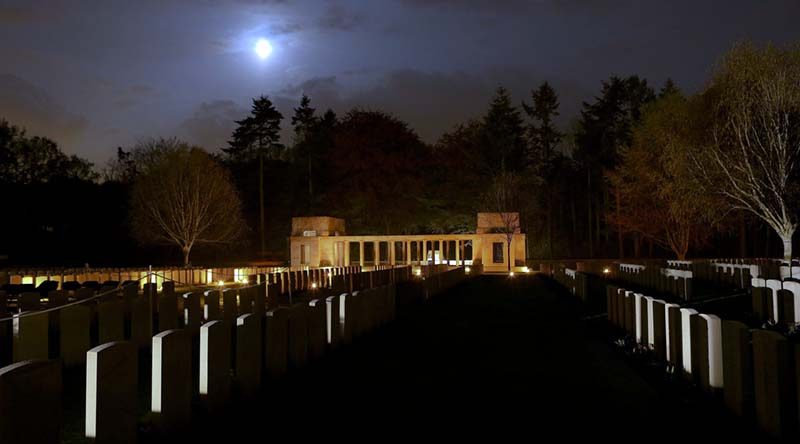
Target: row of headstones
438	283
195	275
237	356
730	275
755	369
124	314
34	300
688	340
776	301
349	278
677	284
575	281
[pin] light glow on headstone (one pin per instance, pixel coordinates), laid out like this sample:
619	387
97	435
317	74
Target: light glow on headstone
686	337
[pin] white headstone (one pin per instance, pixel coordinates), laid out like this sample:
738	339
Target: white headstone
277	342
30	402
111	393
171	394
317	328
30	336
714	350
215	365
110	322
74	329
298	336
332	320
248	354
686	337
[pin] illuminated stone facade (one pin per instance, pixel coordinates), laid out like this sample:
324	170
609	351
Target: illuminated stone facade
323	242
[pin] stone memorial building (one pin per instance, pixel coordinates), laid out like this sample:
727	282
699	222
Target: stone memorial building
322	241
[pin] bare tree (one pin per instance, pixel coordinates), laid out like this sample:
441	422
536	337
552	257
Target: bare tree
756	142
503	197
182	196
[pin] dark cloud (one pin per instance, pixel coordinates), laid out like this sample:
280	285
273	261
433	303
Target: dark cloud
339	18
11	15
212	123
25	104
516	6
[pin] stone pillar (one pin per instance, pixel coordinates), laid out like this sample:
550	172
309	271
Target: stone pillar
346	253
111	393
171	388
392	247
215	359
361	253
407	252
376	247
30	399
458	252
424	258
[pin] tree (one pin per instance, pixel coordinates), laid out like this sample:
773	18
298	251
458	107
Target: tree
659	196
31	160
304	123
503	143
668	89
606	124
184	197
503	197
543	139
121	168
756	140
378	164
257	137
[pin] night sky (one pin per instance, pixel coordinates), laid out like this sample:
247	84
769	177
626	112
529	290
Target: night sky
94	75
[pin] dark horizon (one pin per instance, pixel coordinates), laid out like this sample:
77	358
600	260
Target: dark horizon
78	73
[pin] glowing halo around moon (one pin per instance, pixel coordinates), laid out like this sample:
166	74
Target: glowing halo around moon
263	48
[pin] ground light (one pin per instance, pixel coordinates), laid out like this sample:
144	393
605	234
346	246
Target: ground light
606	270
466	270
511	274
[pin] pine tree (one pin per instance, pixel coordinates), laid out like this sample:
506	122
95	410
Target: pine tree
669	88
257	137
304	123
544	139
504	147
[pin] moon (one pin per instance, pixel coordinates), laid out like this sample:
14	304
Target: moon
263	48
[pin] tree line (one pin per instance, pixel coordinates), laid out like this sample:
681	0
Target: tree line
641	172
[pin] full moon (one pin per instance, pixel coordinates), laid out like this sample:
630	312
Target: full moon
263	48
